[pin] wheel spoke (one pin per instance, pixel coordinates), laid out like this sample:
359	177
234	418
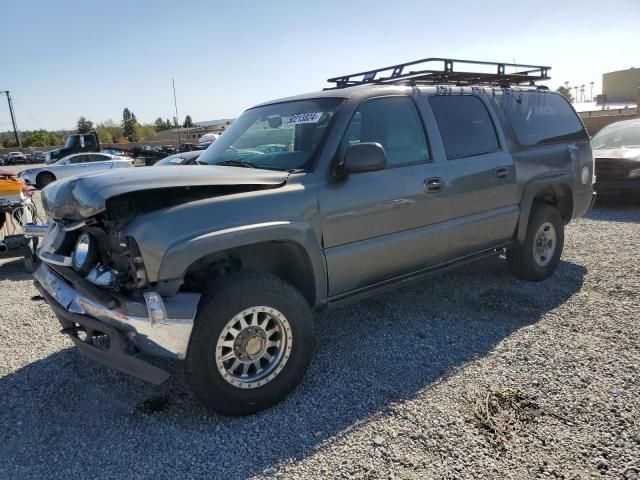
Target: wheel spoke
235	366
271	331
227	344
272	343
234	332
265	321
228	356
254	319
245	369
243	323
267	356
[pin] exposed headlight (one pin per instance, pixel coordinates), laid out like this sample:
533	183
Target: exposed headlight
635	173
85	254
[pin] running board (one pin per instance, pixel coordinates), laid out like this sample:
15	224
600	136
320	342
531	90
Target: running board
381	287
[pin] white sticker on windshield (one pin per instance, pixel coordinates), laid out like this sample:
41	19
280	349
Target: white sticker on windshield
301	118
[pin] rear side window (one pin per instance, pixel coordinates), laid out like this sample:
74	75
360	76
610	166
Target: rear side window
538	117
393	122
465	125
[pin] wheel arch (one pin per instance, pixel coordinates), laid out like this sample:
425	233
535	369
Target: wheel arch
554	190
289	250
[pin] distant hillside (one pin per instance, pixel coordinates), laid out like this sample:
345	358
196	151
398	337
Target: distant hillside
209	123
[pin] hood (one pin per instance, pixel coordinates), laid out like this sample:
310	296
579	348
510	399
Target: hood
632	154
77	198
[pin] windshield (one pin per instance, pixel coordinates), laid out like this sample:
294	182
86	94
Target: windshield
177	159
617	136
282	136
71	141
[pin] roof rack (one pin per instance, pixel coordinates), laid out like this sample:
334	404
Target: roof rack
426	72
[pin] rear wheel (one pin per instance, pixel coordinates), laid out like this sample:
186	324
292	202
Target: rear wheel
43	179
538	256
251	343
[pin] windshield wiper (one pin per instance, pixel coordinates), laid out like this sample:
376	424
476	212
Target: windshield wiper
238	163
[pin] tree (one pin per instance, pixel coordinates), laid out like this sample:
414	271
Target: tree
188	123
175	122
159	124
129	123
110	132
84	125
565	91
39	138
143	132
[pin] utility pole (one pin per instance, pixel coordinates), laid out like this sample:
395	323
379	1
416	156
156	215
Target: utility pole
13	118
175	103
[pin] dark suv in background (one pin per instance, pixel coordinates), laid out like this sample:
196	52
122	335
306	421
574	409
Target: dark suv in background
391	175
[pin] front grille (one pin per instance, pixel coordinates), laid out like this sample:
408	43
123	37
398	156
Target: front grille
607	169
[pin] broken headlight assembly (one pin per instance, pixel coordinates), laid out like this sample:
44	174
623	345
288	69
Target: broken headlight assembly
85	254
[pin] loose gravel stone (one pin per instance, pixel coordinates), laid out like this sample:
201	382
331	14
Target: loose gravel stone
390	393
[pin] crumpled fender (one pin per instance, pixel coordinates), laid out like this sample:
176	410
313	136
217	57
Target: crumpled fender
183	254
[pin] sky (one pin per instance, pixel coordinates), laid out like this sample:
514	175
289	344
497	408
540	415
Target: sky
64	59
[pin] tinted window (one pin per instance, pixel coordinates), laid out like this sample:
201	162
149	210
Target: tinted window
392	122
98	158
79	159
465	125
90	141
539	117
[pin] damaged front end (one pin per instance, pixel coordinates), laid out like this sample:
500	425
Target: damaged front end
93	272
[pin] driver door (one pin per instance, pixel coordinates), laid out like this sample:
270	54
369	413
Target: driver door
383	224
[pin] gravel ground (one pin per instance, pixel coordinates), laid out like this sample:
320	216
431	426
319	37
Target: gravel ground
397	389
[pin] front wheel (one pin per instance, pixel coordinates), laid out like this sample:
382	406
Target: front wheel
43	179
251	344
538	256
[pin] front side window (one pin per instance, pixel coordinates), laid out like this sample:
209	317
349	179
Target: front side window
392	122
465	125
541	117
281	136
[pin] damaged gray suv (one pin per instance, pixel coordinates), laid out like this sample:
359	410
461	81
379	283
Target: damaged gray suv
306	203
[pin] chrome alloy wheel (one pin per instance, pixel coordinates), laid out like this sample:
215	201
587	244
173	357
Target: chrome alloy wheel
544	244
254	347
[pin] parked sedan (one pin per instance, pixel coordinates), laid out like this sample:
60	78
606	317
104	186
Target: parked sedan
13	158
76	164
185	158
616	149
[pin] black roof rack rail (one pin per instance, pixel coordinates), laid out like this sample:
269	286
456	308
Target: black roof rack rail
434	71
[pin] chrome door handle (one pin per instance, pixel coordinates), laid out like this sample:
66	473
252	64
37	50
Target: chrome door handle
433	185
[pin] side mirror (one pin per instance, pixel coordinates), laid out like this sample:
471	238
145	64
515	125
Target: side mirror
363	157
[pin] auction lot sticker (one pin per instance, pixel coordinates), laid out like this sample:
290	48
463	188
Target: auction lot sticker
301	118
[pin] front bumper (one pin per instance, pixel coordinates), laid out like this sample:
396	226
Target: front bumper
128	322
617	187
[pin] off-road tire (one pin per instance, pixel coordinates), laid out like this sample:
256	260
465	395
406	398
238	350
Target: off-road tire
223	299
520	257
43	179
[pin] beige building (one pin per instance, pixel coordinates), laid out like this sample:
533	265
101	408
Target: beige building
621	86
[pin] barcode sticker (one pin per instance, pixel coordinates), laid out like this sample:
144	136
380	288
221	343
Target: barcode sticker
300	118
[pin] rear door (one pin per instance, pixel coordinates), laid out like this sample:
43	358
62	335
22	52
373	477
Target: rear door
379	225
482	191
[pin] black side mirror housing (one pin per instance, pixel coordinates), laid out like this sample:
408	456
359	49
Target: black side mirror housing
363	157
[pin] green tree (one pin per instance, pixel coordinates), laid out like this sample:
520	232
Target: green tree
39	138
109	132
84	125
175	123
129	123
188	123
159	124
143	133
565	91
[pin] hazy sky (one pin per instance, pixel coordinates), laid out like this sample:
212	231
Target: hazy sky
66	58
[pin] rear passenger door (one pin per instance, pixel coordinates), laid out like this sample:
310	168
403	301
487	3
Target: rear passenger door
481	189
382	224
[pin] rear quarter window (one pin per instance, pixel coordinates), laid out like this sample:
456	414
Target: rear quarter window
465	125
541	117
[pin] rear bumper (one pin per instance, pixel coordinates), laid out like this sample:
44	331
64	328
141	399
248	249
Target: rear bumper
617	187
126	324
